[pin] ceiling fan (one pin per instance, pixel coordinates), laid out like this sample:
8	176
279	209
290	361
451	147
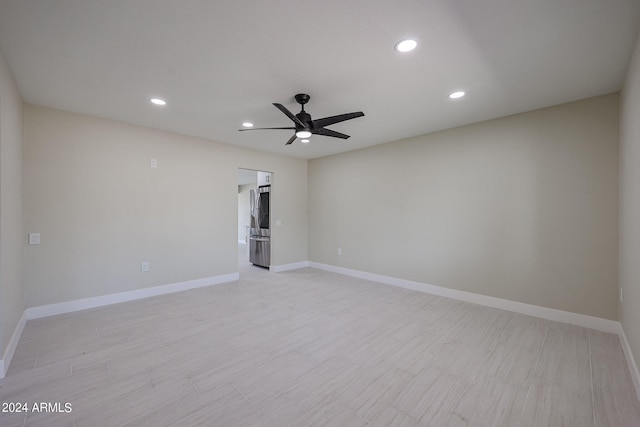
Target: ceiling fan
304	127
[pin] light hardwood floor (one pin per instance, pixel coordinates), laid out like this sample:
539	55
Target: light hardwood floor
312	348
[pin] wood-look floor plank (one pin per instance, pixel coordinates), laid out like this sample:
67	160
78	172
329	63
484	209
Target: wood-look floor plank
560	392
391	417
614	396
312	348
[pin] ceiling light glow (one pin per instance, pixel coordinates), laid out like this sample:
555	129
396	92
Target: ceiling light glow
158	101
247	125
456	95
305	141
303	134
407	45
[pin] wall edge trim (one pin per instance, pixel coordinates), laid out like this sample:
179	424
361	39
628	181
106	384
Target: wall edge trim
13	343
287	267
100	301
591	322
631	361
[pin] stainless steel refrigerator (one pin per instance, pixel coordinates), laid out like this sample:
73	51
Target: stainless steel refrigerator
260	233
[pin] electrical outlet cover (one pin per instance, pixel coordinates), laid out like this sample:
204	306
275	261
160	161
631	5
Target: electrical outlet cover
34	238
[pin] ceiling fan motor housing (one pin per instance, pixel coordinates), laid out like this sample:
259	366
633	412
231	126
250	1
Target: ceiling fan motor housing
305	118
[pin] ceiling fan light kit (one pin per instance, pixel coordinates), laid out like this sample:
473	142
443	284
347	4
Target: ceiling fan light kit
304	126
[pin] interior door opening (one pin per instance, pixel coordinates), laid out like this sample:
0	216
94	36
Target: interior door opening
254	219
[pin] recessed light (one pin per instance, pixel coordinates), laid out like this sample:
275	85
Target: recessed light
247	125
407	45
158	101
305	141
456	95
303	134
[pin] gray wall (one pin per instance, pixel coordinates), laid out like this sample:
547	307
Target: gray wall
11	214
523	208
630	205
102	210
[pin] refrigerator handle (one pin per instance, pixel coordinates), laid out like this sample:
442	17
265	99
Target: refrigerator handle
258	210
254	209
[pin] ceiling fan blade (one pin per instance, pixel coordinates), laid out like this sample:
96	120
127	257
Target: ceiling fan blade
289	114
293	138
329	132
326	121
289	128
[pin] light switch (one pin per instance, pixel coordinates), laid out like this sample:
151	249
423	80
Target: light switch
278	223
34	238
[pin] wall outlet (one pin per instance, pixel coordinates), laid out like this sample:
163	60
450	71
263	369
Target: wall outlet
154	163
34	238
339	251
144	267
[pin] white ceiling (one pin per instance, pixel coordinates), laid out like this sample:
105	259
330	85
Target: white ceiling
219	63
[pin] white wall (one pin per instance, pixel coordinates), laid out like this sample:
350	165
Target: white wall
11	230
102	210
630	205
523	208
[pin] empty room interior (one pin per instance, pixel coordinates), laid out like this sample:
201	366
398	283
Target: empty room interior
360	213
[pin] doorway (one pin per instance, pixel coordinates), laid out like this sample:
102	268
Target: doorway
254	225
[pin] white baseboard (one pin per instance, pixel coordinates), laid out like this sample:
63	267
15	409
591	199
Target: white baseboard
599	324
590	322
631	362
13	343
287	267
86	303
